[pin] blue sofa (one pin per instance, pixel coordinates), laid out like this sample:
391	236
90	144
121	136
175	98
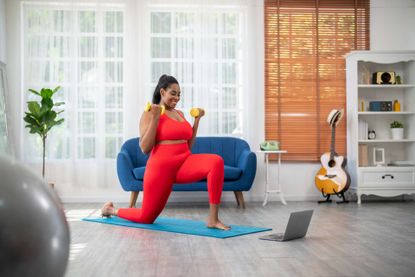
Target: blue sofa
240	166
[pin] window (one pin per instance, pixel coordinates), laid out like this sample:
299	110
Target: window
204	51
305	44
80	48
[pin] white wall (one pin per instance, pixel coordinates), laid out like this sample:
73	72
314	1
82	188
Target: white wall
3	31
392	25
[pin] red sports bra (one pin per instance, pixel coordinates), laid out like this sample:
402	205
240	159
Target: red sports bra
171	129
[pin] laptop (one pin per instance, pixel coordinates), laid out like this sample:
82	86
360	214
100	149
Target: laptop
296	228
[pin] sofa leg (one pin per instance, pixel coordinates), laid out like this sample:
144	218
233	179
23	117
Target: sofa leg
133	198
240	199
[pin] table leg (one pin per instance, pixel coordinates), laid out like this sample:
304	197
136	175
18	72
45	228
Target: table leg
266	180
266	199
278	180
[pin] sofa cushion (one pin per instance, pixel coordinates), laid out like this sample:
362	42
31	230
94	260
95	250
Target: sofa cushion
231	173
139	172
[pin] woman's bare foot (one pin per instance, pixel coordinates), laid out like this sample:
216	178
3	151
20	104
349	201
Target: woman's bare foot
218	225
213	219
108	209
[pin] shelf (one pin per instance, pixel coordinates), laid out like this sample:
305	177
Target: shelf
385	167
385	140
386	86
384	113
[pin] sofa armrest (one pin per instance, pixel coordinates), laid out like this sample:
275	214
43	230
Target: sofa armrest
248	163
245	159
125	171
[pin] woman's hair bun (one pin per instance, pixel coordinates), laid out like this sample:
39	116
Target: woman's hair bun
163	76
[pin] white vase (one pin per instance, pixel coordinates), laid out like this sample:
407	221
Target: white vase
397	133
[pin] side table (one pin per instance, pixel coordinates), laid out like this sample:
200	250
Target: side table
268	190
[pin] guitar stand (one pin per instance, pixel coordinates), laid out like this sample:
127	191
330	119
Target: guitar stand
327	196
341	195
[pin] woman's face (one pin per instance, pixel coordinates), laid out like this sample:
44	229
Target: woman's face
170	96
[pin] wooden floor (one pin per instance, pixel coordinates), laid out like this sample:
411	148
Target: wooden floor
374	239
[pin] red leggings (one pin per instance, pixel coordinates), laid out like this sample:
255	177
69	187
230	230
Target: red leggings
174	163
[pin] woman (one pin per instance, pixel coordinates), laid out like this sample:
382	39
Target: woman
168	138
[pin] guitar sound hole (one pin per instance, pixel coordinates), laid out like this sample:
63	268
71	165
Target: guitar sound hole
332	163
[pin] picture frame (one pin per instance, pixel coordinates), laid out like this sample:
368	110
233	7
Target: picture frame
378	156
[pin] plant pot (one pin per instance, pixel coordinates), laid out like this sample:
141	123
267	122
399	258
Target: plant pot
397	133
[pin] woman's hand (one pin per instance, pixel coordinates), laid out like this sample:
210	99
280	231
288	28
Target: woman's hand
155	110
201	113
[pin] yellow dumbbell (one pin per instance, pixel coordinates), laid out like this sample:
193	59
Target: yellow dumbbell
148	108
194	112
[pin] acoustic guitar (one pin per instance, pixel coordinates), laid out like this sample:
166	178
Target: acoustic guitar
332	178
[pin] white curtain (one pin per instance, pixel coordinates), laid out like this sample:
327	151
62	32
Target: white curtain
80	48
108	55
5	142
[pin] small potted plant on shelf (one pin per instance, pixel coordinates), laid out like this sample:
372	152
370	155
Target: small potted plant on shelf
397	130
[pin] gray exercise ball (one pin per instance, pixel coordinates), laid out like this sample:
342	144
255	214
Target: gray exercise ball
34	234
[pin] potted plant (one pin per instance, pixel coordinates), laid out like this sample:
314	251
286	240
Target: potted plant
41	116
397	130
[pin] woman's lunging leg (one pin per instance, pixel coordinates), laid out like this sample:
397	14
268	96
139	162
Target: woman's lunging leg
200	166
157	188
197	167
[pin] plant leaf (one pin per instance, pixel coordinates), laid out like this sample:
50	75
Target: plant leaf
34	91
33	107
34	117
59	104
56	90
44	109
35	130
31	121
60	121
49	117
46	93
48	103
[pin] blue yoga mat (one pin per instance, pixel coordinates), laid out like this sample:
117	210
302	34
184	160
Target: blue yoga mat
184	226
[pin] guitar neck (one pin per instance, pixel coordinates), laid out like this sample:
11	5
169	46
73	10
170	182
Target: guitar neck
333	138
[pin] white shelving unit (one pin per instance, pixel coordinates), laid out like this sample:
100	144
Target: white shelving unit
380	180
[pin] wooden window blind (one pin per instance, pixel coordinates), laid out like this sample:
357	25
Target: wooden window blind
305	44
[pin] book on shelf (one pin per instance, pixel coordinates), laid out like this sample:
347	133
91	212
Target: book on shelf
363	130
363	155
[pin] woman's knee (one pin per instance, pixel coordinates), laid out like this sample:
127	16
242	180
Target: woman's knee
148	218
218	163
216	160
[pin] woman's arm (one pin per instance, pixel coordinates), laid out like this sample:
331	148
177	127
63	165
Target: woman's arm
195	126
148	128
